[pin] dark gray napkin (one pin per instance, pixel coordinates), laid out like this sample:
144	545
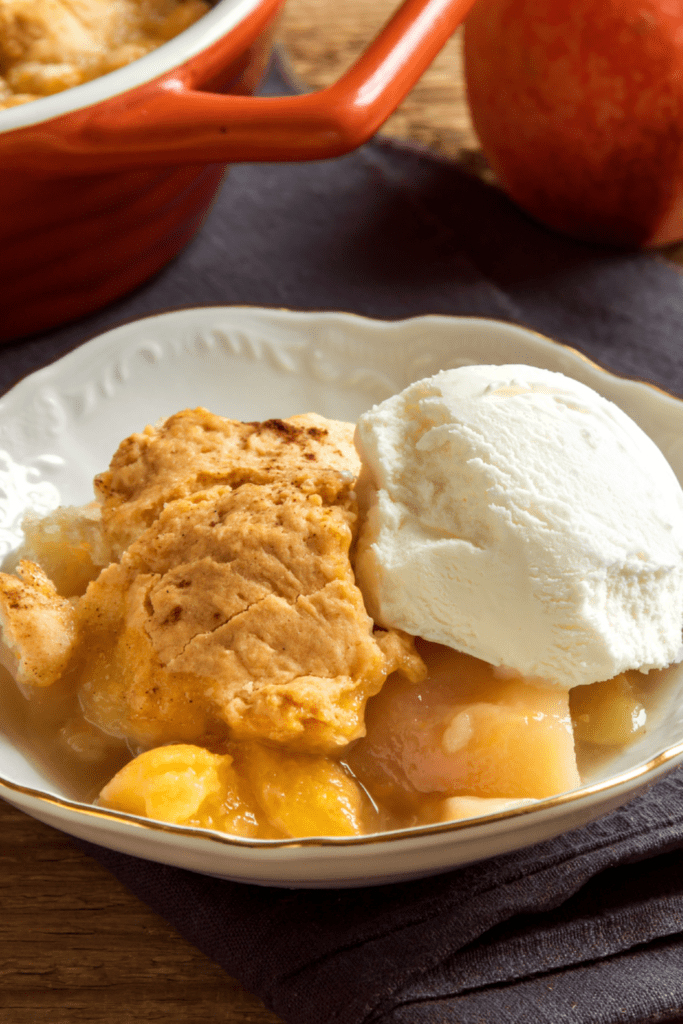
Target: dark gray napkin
586	928
391	232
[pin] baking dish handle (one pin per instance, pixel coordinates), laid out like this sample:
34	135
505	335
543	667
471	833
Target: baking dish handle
168	121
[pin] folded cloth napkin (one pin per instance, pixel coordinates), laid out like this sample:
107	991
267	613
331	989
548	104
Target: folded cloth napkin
584	928
588	927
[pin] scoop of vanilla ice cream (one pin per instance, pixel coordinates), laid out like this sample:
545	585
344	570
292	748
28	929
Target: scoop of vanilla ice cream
515	514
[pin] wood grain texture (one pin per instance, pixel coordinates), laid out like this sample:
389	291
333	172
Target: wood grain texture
322	39
76	946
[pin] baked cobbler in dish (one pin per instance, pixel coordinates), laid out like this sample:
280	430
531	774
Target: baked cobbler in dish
50	45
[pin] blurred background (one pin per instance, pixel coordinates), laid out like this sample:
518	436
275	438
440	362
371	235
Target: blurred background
322	38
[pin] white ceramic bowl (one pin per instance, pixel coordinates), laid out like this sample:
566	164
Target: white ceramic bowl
61	425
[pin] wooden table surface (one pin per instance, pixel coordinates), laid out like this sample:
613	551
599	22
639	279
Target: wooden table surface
75	946
323	38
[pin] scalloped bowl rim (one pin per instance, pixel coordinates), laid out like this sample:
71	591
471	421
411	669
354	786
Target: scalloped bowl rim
275	344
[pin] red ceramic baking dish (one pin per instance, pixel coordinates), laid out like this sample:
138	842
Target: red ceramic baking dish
102	184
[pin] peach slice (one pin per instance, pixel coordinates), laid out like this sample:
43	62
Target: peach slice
302	794
609	713
186	785
469	730
262	793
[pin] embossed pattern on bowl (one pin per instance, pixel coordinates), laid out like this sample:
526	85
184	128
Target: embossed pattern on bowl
60	426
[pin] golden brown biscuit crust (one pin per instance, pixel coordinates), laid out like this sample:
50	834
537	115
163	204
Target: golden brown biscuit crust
196	449
37	626
233	611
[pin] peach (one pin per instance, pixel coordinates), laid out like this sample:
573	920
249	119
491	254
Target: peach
467	730
263	793
186	785
303	794
578	105
610	713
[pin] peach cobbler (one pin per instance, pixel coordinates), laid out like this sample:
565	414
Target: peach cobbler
195	646
50	45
